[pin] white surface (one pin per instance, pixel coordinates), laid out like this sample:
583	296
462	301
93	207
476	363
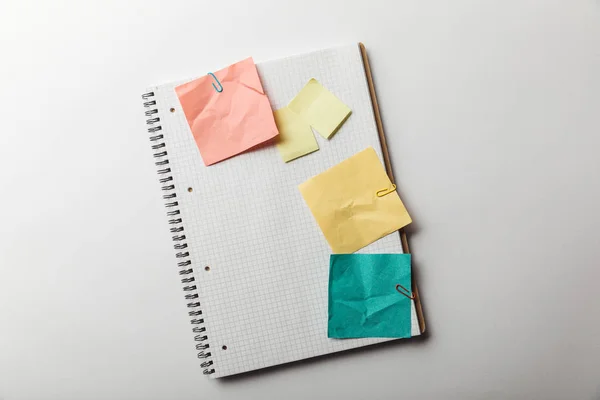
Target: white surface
491	112
265	295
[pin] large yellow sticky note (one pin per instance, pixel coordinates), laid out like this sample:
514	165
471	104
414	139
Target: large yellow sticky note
320	108
350	203
295	136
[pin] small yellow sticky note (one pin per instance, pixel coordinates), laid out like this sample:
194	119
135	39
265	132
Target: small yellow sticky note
345	202
295	139
320	108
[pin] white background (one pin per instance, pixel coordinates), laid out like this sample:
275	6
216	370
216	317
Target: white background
492	113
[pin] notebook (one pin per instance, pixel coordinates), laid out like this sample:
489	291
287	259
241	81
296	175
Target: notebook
253	263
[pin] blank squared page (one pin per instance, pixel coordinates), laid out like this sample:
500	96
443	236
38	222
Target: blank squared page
264	296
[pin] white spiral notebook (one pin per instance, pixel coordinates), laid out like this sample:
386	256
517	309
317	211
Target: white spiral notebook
253	261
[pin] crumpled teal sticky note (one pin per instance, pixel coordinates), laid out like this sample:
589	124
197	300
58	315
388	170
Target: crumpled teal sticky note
363	300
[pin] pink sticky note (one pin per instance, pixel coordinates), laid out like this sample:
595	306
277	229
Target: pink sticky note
227	123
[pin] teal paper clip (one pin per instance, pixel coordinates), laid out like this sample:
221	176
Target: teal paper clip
220	88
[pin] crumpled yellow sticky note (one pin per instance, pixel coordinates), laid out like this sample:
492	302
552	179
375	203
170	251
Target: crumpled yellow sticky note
295	136
345	204
227	123
320	108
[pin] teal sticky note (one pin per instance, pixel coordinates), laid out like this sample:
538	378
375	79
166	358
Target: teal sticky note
363	300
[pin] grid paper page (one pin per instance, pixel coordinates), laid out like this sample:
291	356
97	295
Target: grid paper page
265	295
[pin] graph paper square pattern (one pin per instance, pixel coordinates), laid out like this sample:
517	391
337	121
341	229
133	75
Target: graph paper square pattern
264	296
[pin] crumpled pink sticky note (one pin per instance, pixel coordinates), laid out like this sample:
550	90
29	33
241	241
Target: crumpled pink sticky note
227	123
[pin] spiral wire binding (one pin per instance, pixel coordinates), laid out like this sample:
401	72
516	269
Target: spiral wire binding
176	227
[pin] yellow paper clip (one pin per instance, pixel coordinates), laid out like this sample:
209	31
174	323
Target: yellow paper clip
405	292
383	192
